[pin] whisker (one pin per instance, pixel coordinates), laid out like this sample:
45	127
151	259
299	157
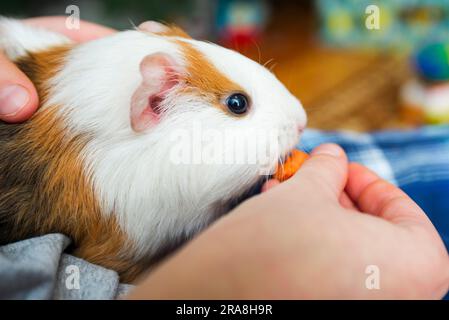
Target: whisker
268	62
258	50
132	24
280	163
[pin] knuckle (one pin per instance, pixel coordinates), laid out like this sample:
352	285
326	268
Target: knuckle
329	167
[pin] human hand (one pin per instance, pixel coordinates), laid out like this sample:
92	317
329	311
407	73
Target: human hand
298	240
18	97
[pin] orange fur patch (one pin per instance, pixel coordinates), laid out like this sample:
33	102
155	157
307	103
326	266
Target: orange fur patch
43	183
175	31
205	79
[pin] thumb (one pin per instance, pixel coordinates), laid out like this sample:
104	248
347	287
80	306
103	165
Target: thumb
18	98
326	171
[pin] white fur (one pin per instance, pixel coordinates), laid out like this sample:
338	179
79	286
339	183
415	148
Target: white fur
17	38
154	200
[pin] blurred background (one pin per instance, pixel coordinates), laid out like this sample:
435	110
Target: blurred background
354	64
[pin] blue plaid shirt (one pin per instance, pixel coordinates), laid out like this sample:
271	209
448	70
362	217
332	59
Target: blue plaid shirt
415	160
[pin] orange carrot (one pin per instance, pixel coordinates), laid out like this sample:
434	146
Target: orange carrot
291	165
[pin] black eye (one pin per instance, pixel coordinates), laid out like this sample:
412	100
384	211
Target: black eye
237	103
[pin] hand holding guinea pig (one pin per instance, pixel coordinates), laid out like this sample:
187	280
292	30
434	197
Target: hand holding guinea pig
298	241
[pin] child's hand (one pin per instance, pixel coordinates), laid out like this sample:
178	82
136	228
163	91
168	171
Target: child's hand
297	240
18	97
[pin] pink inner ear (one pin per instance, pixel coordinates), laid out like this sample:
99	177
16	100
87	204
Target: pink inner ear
153	27
160	75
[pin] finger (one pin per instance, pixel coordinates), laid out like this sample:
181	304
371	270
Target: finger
346	202
378	197
87	31
358	178
325	170
18	98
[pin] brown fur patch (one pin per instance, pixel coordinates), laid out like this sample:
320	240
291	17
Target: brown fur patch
43	185
42	66
205	78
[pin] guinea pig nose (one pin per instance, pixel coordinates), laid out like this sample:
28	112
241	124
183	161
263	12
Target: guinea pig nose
300	129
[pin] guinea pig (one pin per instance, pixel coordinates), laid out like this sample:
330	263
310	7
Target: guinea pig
97	161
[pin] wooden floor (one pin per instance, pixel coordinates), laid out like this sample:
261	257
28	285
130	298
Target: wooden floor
339	88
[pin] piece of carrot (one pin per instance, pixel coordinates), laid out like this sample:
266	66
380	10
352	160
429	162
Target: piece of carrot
292	164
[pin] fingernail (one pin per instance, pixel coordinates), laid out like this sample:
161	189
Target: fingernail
12	99
328	149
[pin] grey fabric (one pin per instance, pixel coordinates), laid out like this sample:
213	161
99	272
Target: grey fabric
38	268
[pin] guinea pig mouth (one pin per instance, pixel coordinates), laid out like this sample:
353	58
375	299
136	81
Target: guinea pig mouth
284	157
250	192
256	188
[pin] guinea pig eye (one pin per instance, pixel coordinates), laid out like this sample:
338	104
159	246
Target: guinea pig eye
237	103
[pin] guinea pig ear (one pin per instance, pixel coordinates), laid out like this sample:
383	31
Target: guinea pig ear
160	73
153	27
162	29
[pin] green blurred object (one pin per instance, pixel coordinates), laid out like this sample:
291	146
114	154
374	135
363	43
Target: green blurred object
403	24
432	62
